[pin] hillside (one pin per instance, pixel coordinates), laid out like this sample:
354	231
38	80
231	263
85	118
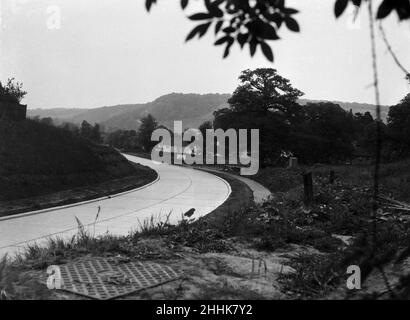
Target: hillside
96	115
354	106
192	109
101	115
57	113
37	159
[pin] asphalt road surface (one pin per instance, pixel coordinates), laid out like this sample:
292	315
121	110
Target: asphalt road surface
177	190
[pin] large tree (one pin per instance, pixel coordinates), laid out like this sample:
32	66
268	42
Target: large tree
317	132
147	127
89	132
123	139
207	125
263	90
399	125
326	134
264	100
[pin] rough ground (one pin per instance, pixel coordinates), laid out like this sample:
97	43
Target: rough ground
242	273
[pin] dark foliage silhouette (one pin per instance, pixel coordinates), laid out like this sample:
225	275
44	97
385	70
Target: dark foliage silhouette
253	23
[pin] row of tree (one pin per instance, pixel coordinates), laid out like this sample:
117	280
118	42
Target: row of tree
318	132
129	140
397	131
132	140
85	130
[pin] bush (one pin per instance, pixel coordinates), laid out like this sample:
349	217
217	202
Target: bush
315	274
12	92
37	158
279	179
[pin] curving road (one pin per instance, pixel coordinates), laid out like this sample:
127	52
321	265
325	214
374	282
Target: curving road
177	190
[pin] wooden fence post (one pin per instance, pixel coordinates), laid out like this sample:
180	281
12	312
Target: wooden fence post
293	162
332	176
308	187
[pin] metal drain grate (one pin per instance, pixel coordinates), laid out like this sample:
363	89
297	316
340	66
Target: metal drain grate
104	278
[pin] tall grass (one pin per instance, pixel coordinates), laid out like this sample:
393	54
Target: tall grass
4	283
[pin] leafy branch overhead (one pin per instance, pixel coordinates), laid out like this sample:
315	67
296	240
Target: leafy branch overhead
402	8
252	23
249	23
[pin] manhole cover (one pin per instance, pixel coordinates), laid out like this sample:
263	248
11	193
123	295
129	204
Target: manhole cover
105	278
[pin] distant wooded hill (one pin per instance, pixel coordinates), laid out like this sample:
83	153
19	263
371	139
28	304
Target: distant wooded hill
354	106
192	109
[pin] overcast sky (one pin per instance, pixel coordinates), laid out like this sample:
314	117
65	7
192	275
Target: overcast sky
110	52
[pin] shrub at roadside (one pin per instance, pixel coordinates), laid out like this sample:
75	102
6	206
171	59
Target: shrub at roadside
37	159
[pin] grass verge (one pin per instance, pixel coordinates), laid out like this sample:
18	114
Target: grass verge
140	177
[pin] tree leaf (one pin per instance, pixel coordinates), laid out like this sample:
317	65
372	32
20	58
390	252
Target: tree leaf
267	51
228	47
184	3
149	3
253	45
289	11
292	24
200	16
218	26
200	30
357	3
213	8
340	7
223	40
229	30
242	38
275	17
403	10
385	9
280	3
269	32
